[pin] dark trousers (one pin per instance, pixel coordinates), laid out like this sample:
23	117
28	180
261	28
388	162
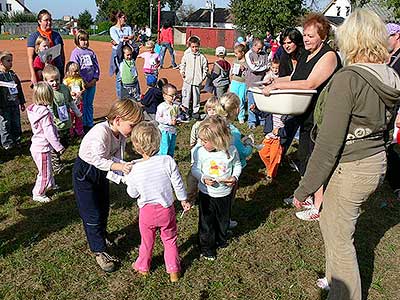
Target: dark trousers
91	189
306	145
56	161
393	168
10	126
213	222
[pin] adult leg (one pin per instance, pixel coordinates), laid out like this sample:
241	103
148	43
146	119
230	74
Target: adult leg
147	228
169	237
172	54
162	54
393	168
306	145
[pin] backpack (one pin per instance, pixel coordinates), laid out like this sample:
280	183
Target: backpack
223	78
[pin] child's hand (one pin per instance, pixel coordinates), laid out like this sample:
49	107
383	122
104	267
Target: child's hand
209	181
252	107
22	106
186	205
230	181
275	131
126	167
173	122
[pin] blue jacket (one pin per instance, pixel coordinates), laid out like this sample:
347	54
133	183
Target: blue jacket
152	99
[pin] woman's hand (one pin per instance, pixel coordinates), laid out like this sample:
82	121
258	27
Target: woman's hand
297	203
267	90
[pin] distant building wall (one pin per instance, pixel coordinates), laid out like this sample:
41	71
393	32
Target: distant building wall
214	37
19	28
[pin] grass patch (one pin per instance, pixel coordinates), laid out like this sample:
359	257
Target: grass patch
272	255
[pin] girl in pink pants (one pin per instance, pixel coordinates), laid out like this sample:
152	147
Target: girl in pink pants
152	180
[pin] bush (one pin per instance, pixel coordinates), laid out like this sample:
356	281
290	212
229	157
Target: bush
22	17
105	25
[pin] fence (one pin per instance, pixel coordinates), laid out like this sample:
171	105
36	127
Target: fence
18	28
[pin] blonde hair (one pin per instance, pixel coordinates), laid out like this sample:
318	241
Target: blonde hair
363	38
214	129
70	68
50	71
212	102
42	93
4	54
150	44
229	106
127	110
146	138
40	40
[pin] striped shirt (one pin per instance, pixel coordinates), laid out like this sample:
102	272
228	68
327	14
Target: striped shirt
276	123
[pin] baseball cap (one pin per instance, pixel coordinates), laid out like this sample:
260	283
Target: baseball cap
151	80
392	28
220	50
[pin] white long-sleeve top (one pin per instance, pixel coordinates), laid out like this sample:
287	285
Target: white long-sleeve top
152	180
101	148
164	116
217	165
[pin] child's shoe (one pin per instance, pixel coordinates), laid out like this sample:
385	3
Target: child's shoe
174	277
209	257
232	224
106	262
322	283
41	198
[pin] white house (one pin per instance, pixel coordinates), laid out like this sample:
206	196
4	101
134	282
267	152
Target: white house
12	6
338	8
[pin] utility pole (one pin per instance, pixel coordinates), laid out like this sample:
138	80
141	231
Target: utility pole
151	14
211	6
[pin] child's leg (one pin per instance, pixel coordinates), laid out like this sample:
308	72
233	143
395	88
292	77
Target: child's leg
44	179
265	154
239	88
79	122
56	162
164	143
5	126
192	188
275	157
91	188
73	120
16	130
186	95
148	214
207	222
172	144
196	98
87	99
169	236
222	208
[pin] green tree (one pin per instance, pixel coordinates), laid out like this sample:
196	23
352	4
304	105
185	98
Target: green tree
262	15
395	5
85	20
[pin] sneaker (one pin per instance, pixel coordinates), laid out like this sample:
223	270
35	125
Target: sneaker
232	224
252	126
55	187
183	118
308	203
208	257
175	67
268	180
41	198
174	277
322	283
241	121
308	215
288	200
106	261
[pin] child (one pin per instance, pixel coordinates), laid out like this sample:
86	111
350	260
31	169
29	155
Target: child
102	150
11	101
41	44
44	140
193	69
90	73
153	96
166	116
238	83
217	168
60	107
129	77
220	72
156	205
76	85
151	60
257	65
273	70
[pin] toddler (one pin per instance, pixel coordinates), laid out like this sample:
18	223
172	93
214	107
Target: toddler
11	101
128	75
76	85
101	151
220	72
153	96
217	168
151	60
41	44
44	139
90	73
238	83
152	180
166	116
60	107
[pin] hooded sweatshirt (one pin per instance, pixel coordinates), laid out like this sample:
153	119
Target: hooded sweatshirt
194	67
45	136
358	108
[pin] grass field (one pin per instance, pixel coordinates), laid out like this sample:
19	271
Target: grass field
272	255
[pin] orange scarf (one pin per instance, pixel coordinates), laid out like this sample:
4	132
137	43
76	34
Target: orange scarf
46	34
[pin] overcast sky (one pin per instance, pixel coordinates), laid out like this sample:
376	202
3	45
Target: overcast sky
59	8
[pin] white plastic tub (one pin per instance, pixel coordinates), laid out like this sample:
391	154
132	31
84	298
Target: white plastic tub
285	102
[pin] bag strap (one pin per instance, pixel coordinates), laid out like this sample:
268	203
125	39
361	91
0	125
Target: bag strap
395	60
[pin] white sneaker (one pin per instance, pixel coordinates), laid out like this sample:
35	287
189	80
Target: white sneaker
41	199
308	203
232	224
322	283
308	215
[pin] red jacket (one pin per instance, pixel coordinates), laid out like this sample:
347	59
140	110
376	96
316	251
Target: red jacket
167	36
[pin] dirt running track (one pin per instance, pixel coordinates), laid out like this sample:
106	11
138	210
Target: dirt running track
105	92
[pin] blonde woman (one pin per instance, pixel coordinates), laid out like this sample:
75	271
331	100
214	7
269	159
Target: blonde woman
349	152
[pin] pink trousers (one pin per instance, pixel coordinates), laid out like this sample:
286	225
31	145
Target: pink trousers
152	217
45	178
77	124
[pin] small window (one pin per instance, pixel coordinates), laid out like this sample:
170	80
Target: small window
338	11
1	7
9	7
347	10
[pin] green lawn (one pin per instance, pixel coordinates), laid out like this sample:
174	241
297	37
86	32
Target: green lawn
272	255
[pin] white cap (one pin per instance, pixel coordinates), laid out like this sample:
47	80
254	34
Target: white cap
220	50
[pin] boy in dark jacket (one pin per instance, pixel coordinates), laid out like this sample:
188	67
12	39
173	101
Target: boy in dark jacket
153	96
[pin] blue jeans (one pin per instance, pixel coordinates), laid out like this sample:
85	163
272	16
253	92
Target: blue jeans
87	100
253	119
167	144
239	88
10	126
164	47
